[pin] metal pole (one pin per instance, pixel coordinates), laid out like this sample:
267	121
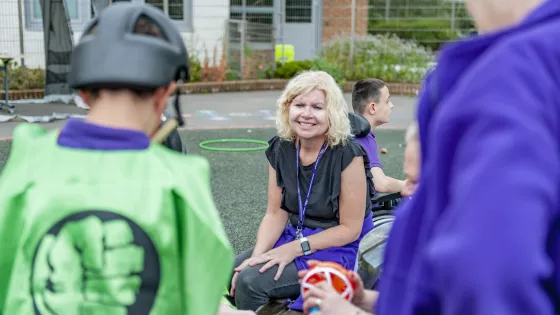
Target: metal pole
166	7
353	30
282	10
453	16
243	29
387	10
21	39
317	14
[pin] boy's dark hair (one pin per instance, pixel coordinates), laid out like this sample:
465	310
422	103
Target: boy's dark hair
364	92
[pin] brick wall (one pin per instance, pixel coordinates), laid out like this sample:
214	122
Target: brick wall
337	18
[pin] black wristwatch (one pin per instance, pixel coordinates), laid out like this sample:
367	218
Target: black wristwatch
305	247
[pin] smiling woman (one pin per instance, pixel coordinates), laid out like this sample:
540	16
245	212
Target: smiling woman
318	194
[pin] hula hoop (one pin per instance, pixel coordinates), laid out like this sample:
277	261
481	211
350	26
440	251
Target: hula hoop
204	145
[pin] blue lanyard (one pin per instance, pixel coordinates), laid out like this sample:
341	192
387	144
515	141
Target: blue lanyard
303	207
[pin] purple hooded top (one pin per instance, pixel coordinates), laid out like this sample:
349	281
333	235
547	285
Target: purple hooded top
482	235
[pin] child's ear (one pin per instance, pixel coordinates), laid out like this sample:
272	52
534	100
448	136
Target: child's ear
85	96
162	95
171	88
371	108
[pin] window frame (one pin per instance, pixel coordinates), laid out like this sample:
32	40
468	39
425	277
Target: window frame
77	25
186	24
85	15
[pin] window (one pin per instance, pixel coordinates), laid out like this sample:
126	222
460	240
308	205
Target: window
180	11
299	11
256	11
263	18
260	17
252	3
259	27
79	13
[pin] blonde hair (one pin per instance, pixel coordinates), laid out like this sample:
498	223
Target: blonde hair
338	130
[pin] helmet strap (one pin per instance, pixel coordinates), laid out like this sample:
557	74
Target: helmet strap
171	124
177	106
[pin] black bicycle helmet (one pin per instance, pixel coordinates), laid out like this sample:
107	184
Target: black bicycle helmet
112	54
115	56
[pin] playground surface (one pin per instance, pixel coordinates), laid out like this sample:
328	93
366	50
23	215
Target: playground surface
239	179
201	111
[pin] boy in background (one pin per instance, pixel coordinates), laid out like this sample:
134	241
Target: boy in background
371	100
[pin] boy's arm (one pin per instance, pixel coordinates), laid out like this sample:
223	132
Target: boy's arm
369	300
385	184
381	182
207	257
490	253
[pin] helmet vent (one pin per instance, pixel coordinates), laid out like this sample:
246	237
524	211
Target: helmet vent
148	27
92	29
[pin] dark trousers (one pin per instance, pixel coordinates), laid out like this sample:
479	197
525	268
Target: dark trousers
254	289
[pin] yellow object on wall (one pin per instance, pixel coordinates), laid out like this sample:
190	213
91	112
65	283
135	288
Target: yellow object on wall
286	55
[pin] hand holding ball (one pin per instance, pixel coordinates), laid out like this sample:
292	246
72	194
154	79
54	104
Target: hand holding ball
332	273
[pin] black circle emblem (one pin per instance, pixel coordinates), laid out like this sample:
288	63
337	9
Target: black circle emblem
95	262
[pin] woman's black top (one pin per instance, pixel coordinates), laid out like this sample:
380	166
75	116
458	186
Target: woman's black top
322	210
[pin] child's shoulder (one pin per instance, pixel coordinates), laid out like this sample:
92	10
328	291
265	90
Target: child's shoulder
29	137
29	131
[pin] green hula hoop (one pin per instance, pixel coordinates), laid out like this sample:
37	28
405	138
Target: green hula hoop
204	145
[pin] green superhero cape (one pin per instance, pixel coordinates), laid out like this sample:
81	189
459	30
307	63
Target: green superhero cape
92	232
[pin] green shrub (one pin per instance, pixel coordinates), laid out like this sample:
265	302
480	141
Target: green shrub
195	68
386	57
24	78
429	33
291	68
331	68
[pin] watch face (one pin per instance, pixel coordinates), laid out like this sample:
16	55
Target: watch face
305	246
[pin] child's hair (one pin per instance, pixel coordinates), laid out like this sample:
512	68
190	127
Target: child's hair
364	92
143	26
146	27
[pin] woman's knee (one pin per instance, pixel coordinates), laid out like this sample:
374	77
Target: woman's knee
249	292
258	283
250	280
239	259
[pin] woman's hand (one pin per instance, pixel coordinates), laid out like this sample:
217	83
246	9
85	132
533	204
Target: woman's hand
280	256
246	263
329	302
